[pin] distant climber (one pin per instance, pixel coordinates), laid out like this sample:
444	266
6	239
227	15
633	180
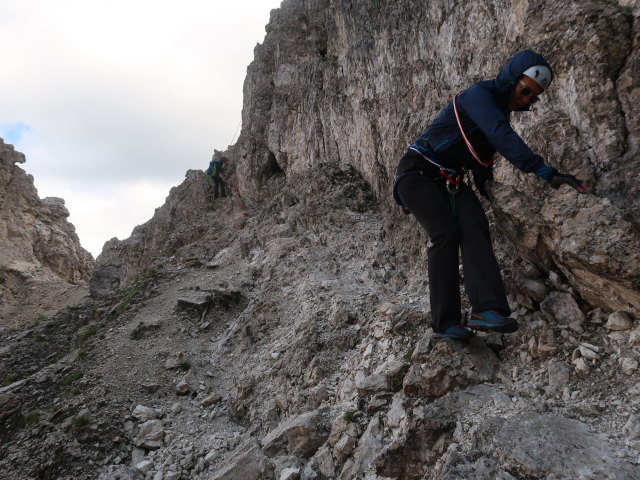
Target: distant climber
430	184
215	172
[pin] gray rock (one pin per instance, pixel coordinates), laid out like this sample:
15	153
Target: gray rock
301	435
151	435
341	426
368	448
619	321
198	300
200	466
211	457
344	447
151	387
422	349
628	365
9	404
143	414
211	399
120	472
581	367
494	341
561	308
543	446
451	365
144	466
188	384
632	428
559	374
396	413
175	361
588	353
247	462
458	467
308	473
535	289
290	474
172	475
12	386
137	456
371	384
324	462
349	470
317	75
595	316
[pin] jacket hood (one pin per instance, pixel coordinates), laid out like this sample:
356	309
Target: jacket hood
506	79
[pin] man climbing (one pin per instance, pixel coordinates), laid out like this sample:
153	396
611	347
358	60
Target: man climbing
430	184
215	172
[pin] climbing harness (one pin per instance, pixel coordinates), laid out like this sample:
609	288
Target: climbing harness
466	140
452	177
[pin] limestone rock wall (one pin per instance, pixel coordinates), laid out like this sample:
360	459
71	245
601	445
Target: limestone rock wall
355	82
37	243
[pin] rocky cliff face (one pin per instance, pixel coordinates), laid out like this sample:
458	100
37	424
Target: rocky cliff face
298	308
355	82
40	253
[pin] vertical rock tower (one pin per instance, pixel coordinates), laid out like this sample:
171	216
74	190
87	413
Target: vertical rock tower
41	261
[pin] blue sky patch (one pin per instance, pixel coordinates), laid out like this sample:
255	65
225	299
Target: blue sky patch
13	132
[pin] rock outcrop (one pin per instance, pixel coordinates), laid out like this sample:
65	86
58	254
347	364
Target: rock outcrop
40	254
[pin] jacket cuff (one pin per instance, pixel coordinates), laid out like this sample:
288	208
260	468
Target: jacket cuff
545	171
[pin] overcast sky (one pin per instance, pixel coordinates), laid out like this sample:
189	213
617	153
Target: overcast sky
112	101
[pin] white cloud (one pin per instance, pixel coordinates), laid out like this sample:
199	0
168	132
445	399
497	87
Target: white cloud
118	92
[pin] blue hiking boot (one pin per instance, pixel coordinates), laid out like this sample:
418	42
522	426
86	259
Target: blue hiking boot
492	321
457	332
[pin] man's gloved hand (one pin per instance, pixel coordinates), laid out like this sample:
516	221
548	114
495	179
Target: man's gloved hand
556	179
483	177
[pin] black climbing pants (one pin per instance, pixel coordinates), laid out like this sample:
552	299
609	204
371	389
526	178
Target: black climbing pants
219	186
466	230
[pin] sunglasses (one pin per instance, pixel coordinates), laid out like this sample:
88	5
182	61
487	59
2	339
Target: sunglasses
527	92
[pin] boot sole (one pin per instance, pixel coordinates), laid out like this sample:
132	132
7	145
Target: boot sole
453	337
508	328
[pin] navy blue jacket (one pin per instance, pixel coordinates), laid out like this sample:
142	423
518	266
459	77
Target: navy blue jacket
485	119
219	167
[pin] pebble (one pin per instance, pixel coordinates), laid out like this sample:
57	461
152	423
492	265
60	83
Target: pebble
629	365
142	413
144	466
619	321
587	353
210	457
632	428
581	367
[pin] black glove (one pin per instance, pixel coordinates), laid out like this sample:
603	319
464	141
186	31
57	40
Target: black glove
480	177
556	179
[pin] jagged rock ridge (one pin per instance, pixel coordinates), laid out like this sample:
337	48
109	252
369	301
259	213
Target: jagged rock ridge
41	258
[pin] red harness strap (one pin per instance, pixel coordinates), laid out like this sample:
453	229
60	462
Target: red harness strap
446	173
466	140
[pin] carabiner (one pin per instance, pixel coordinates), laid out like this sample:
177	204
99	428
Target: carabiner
452	188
